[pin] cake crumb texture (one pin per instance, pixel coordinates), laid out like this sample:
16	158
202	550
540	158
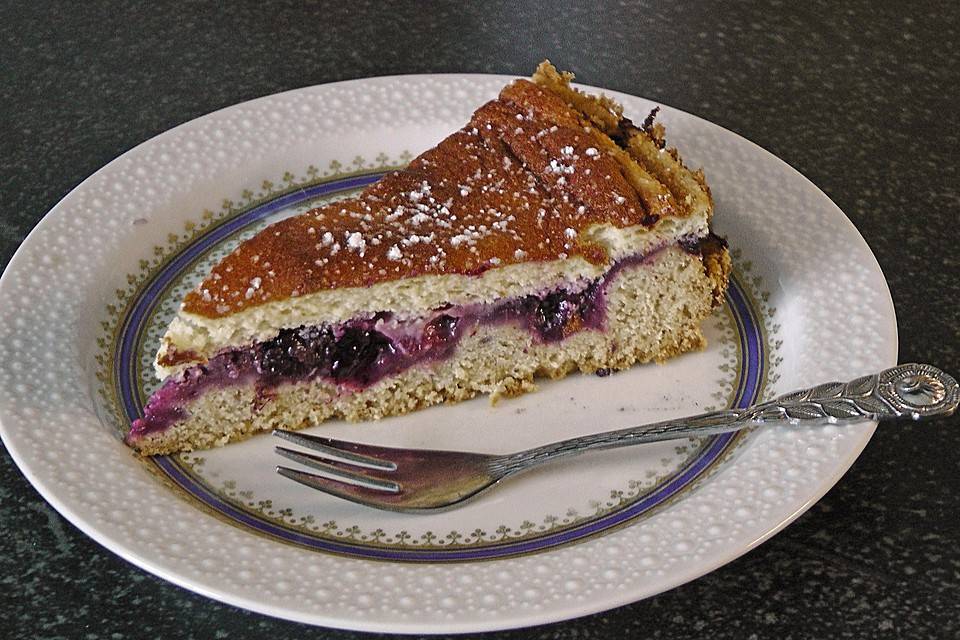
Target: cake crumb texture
653	314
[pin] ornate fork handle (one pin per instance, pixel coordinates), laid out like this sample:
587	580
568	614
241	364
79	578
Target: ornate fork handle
907	391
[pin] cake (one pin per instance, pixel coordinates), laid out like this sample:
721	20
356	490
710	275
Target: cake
551	234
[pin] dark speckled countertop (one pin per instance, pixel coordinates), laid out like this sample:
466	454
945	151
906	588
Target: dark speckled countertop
862	98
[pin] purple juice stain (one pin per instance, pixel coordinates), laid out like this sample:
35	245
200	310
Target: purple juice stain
357	354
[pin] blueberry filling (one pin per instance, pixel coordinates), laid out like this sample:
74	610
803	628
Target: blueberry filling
358	353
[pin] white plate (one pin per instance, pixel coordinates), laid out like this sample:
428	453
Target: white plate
84	299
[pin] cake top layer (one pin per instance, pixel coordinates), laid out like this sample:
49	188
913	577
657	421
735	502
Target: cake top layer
522	182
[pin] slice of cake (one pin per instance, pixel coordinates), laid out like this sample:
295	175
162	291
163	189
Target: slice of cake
549	234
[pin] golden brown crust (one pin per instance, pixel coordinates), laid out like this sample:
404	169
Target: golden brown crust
173	356
653	167
519	183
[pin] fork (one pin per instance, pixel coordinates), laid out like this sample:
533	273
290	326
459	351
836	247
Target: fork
425	480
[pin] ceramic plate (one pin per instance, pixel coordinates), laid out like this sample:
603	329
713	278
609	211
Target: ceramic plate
86	298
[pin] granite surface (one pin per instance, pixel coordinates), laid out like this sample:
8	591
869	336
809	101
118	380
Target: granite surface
861	98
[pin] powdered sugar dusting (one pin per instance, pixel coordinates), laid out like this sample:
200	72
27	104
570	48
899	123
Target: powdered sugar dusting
517	184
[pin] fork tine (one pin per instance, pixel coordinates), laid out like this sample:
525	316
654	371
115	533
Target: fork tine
332	472
396	479
351	492
331	449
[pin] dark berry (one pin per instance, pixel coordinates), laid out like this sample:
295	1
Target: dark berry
440	330
554	314
312	346
691	244
355	354
294	352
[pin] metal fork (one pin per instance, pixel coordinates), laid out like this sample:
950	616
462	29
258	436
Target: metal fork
423	480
